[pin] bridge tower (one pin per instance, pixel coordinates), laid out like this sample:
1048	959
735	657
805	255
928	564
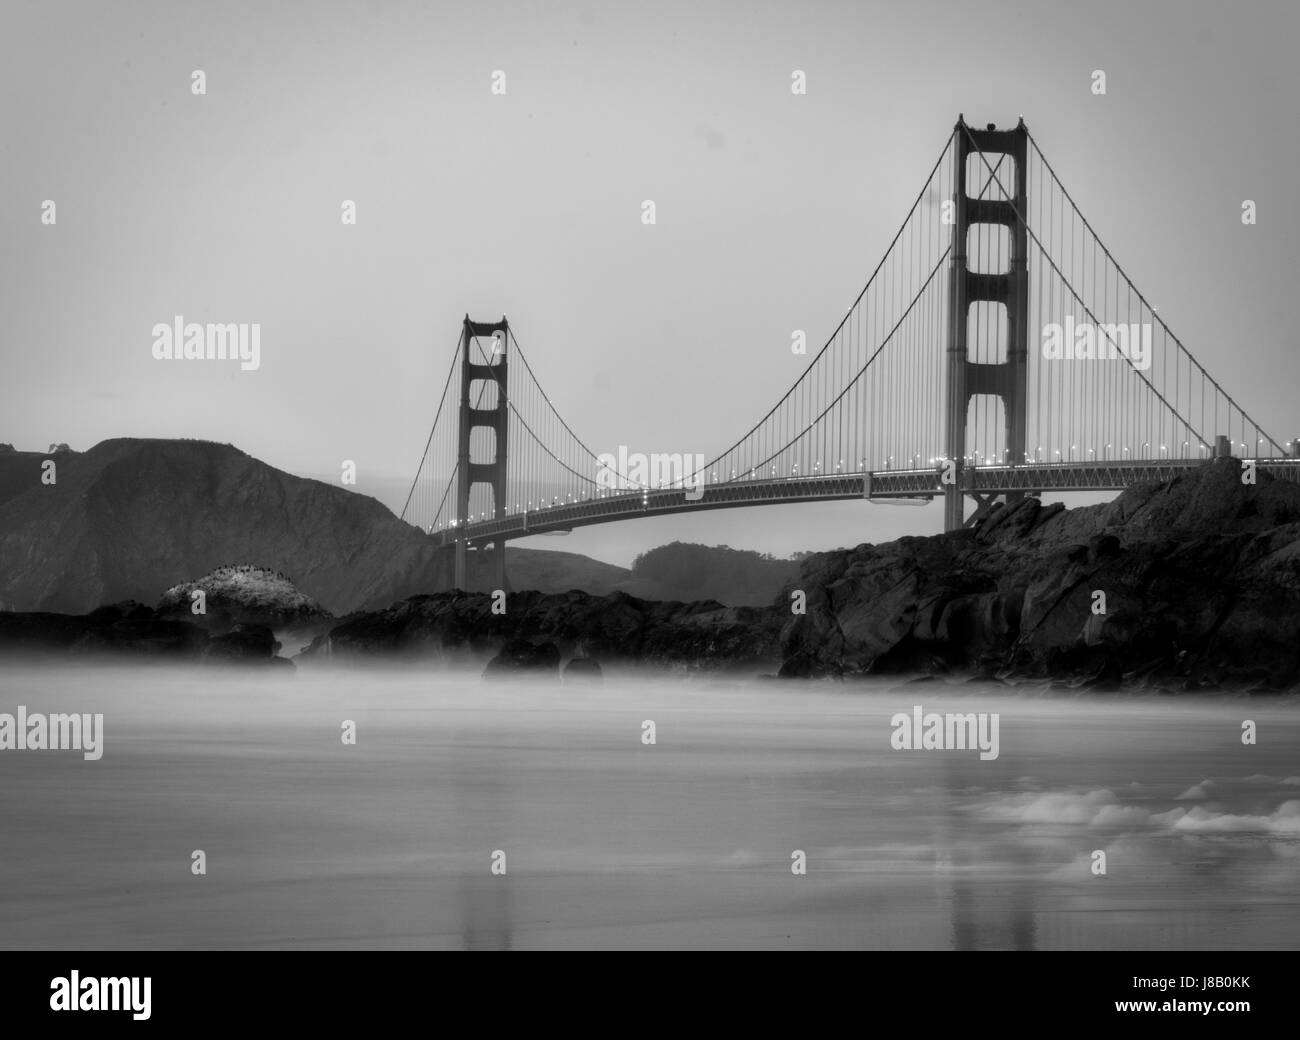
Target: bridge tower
1005	379
468	473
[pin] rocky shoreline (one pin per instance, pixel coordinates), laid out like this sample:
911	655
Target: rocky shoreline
459	628
135	631
1184	585
1192	584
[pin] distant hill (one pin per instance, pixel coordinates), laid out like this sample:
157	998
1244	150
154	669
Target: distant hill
130	518
686	571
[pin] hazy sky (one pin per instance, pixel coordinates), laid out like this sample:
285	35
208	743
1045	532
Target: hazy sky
772	208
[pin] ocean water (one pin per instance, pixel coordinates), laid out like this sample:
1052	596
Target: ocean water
612	842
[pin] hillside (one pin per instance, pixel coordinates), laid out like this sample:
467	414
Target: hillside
130	518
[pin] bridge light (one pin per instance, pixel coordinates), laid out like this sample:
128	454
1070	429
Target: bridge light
1146	447
1126	449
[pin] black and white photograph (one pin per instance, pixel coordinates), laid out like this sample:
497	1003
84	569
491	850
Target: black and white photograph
714	476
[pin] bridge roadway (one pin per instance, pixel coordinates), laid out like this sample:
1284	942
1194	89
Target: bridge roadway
880	484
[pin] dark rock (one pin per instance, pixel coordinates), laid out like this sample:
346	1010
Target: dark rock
119	628
582	669
460	628
244	643
521	656
1201	576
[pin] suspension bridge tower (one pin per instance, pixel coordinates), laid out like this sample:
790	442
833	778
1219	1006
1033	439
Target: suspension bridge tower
1005	378
491	372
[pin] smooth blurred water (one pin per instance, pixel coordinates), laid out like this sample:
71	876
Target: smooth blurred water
613	843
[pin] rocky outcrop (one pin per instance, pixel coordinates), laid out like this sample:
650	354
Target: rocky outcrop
130	630
242	594
522	657
583	669
460	627
1187	584
242	644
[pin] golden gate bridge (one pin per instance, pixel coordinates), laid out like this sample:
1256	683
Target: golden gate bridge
927	388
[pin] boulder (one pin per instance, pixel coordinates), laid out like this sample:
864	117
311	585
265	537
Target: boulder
521	657
582	669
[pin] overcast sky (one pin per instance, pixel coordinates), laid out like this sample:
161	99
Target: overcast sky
772	208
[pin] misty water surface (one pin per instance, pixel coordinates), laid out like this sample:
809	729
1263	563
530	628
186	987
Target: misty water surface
613	843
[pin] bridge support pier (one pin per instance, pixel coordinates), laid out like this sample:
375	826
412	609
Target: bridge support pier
1006	378
494	562
499	556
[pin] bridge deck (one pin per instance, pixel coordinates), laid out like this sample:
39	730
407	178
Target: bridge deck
878	484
